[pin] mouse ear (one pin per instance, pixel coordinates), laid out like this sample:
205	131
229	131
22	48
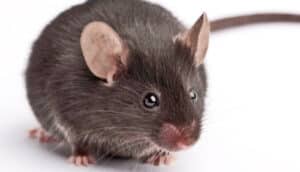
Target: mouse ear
197	39
104	52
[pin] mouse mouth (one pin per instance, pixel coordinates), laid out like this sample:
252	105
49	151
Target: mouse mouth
177	138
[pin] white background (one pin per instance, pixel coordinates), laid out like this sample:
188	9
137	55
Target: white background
252	121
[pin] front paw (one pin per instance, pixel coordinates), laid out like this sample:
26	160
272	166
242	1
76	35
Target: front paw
82	160
160	158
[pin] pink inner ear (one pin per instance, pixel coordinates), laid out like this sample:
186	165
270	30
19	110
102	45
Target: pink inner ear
103	50
197	39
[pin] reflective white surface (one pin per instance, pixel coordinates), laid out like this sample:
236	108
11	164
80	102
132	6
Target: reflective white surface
252	121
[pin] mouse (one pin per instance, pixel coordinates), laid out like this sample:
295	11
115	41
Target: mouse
127	79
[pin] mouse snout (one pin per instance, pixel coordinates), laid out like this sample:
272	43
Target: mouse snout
177	138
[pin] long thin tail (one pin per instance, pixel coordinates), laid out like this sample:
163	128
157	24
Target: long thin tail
238	21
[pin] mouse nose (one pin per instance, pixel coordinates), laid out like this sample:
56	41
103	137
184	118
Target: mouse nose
177	138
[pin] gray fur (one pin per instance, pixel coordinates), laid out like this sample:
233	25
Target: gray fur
70	102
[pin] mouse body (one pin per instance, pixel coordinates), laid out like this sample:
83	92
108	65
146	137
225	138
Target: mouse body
119	78
124	79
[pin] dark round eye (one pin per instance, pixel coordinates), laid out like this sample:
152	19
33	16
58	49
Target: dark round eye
151	101
193	95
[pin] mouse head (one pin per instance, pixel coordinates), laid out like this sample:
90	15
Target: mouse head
159	94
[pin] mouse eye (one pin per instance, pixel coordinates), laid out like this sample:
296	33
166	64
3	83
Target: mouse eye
151	101
193	95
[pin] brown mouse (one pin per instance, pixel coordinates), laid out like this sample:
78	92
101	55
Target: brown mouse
123	79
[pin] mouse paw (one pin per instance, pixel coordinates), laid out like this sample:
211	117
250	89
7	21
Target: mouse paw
160	158
42	136
82	160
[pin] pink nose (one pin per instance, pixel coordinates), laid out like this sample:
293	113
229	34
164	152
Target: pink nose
182	145
175	138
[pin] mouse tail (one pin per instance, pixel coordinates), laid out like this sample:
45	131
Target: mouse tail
243	20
